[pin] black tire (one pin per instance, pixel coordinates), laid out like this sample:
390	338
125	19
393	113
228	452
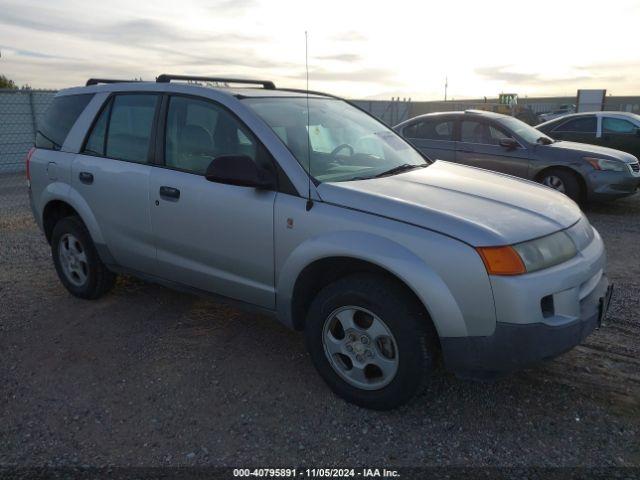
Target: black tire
407	320
99	279
569	180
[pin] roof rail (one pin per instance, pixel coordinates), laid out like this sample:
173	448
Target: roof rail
96	81
166	78
311	92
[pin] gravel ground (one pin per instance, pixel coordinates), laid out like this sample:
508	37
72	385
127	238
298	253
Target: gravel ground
150	377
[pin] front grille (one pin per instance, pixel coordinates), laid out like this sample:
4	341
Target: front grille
635	167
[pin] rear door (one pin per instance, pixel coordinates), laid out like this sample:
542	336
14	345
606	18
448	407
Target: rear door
433	137
620	134
112	175
479	146
211	236
580	129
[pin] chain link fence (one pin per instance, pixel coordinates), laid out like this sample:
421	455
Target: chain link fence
20	114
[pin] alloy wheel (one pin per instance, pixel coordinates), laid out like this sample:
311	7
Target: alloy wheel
73	259
360	347
554	182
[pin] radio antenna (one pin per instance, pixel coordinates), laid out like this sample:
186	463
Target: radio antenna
306	65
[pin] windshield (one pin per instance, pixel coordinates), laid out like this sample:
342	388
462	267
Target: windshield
524	131
345	143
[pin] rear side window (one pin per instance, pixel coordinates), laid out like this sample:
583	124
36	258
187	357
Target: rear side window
123	129
579	125
60	117
430	130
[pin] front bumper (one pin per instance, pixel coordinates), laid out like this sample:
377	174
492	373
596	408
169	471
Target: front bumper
516	346
538	315
611	185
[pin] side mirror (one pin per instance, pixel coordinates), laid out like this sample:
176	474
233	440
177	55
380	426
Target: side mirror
509	143
238	170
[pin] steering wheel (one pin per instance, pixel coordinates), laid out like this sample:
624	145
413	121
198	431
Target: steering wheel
342	146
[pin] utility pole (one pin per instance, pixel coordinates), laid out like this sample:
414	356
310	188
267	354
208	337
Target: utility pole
446	85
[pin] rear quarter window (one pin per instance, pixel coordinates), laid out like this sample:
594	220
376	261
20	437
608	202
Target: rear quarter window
58	120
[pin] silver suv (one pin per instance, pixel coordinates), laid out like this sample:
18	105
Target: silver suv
305	207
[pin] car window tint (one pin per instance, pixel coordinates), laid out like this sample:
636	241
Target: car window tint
60	117
497	134
130	125
430	130
578	125
96	141
473	131
617	125
199	131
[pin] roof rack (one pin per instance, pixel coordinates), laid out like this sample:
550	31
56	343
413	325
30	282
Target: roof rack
166	78
96	81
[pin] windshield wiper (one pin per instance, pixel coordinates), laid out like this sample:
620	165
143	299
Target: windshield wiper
405	167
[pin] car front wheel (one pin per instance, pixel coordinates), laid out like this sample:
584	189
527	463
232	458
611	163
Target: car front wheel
564	182
371	341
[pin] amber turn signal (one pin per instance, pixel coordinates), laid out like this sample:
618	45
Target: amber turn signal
501	260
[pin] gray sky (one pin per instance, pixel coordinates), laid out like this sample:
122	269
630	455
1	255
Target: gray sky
359	49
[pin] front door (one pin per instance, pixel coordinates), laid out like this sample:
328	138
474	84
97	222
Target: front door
479	146
211	236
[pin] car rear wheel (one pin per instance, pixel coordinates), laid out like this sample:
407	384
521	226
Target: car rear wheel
77	262
563	182
371	341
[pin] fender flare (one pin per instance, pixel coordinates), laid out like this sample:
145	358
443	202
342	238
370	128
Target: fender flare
58	191
425	283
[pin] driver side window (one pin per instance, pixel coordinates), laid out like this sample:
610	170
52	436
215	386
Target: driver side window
617	125
198	131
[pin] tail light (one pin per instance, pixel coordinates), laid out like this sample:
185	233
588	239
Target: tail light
27	162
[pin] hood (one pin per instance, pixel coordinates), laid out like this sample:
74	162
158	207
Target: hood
592	150
479	207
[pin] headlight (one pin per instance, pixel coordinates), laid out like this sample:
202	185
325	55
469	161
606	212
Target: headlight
546	251
604	164
527	257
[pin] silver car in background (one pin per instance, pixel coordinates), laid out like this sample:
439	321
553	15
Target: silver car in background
305	208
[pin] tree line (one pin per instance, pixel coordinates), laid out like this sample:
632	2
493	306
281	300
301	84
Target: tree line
7	83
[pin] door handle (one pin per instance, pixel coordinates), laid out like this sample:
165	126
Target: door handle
169	193
86	177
